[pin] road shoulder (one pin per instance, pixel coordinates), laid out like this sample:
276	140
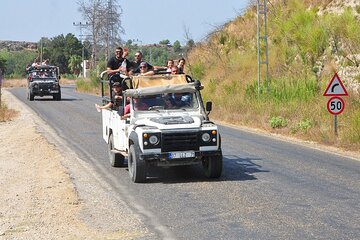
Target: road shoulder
48	192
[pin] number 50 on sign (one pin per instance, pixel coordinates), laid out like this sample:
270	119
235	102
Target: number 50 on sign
335	105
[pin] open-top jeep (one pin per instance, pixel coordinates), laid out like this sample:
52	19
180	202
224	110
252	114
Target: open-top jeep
43	81
167	125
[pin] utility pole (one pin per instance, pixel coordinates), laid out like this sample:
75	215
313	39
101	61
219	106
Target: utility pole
41	50
262	42
81	36
109	28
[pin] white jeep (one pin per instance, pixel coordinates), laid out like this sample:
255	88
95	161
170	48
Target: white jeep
167	125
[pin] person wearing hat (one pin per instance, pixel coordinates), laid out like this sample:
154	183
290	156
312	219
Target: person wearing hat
116	100
144	69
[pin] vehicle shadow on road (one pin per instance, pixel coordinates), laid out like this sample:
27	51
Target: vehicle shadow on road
62	99
234	169
238	168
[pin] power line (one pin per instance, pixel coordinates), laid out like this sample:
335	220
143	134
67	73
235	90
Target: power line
81	26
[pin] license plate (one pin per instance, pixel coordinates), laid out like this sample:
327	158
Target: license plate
176	155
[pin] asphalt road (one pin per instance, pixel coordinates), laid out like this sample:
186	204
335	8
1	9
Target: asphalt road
270	189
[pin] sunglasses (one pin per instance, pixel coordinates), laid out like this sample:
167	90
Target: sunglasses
143	67
137	55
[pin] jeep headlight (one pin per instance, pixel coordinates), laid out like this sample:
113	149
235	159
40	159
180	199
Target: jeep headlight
209	138
153	140
205	137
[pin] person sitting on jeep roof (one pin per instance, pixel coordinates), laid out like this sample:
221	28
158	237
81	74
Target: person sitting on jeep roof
144	69
116	101
181	65
36	63
45	63
135	65
174	70
170	64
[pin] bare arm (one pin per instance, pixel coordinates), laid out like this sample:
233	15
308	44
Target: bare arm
109	105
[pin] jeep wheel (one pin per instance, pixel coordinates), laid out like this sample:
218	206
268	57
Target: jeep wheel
137	168
31	96
116	159
212	166
57	96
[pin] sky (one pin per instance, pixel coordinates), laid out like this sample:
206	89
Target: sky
143	20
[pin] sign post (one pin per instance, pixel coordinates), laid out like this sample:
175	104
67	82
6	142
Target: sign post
336	104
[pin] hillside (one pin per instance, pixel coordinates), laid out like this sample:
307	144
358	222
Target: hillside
17	45
308	41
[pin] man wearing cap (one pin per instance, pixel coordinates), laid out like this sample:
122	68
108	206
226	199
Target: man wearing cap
118	63
116	99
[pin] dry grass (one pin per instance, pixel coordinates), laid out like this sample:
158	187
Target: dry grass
7	114
64	81
296	94
13	83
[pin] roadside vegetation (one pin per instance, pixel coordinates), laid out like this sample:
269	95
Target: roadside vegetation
307	45
7	114
305	50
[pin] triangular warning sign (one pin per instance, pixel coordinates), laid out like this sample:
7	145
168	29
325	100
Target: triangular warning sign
335	87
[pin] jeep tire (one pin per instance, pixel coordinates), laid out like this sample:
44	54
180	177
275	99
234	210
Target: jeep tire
31	95
116	159
137	167
57	96
212	166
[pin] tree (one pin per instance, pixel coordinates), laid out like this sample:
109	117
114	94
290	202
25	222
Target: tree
75	64
165	42
60	50
2	64
190	44
177	46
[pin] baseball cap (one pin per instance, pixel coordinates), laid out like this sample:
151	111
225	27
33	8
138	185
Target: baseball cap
143	64
116	84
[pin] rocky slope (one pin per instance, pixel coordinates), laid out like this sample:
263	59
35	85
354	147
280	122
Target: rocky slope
17	45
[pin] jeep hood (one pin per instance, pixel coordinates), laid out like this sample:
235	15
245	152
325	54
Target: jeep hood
171	122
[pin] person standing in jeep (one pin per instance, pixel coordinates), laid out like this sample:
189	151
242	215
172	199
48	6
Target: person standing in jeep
135	65
118	63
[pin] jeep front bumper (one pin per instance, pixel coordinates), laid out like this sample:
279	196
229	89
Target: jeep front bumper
166	159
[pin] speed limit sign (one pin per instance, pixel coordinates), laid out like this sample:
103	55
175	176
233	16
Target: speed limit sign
335	105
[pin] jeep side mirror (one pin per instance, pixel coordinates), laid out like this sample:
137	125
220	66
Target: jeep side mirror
208	106
59	77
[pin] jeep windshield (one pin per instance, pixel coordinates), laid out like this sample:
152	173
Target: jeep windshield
44	73
166	101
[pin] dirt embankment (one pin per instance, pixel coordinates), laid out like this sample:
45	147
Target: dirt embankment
38	197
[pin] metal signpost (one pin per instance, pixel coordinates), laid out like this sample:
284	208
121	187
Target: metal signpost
336	104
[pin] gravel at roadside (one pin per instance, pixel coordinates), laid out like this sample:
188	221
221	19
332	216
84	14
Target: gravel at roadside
47	192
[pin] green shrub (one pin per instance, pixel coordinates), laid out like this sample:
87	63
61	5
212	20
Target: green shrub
278	122
69	76
198	70
303	125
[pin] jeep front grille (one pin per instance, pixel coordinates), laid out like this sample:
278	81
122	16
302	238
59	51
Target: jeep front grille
46	85
179	141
